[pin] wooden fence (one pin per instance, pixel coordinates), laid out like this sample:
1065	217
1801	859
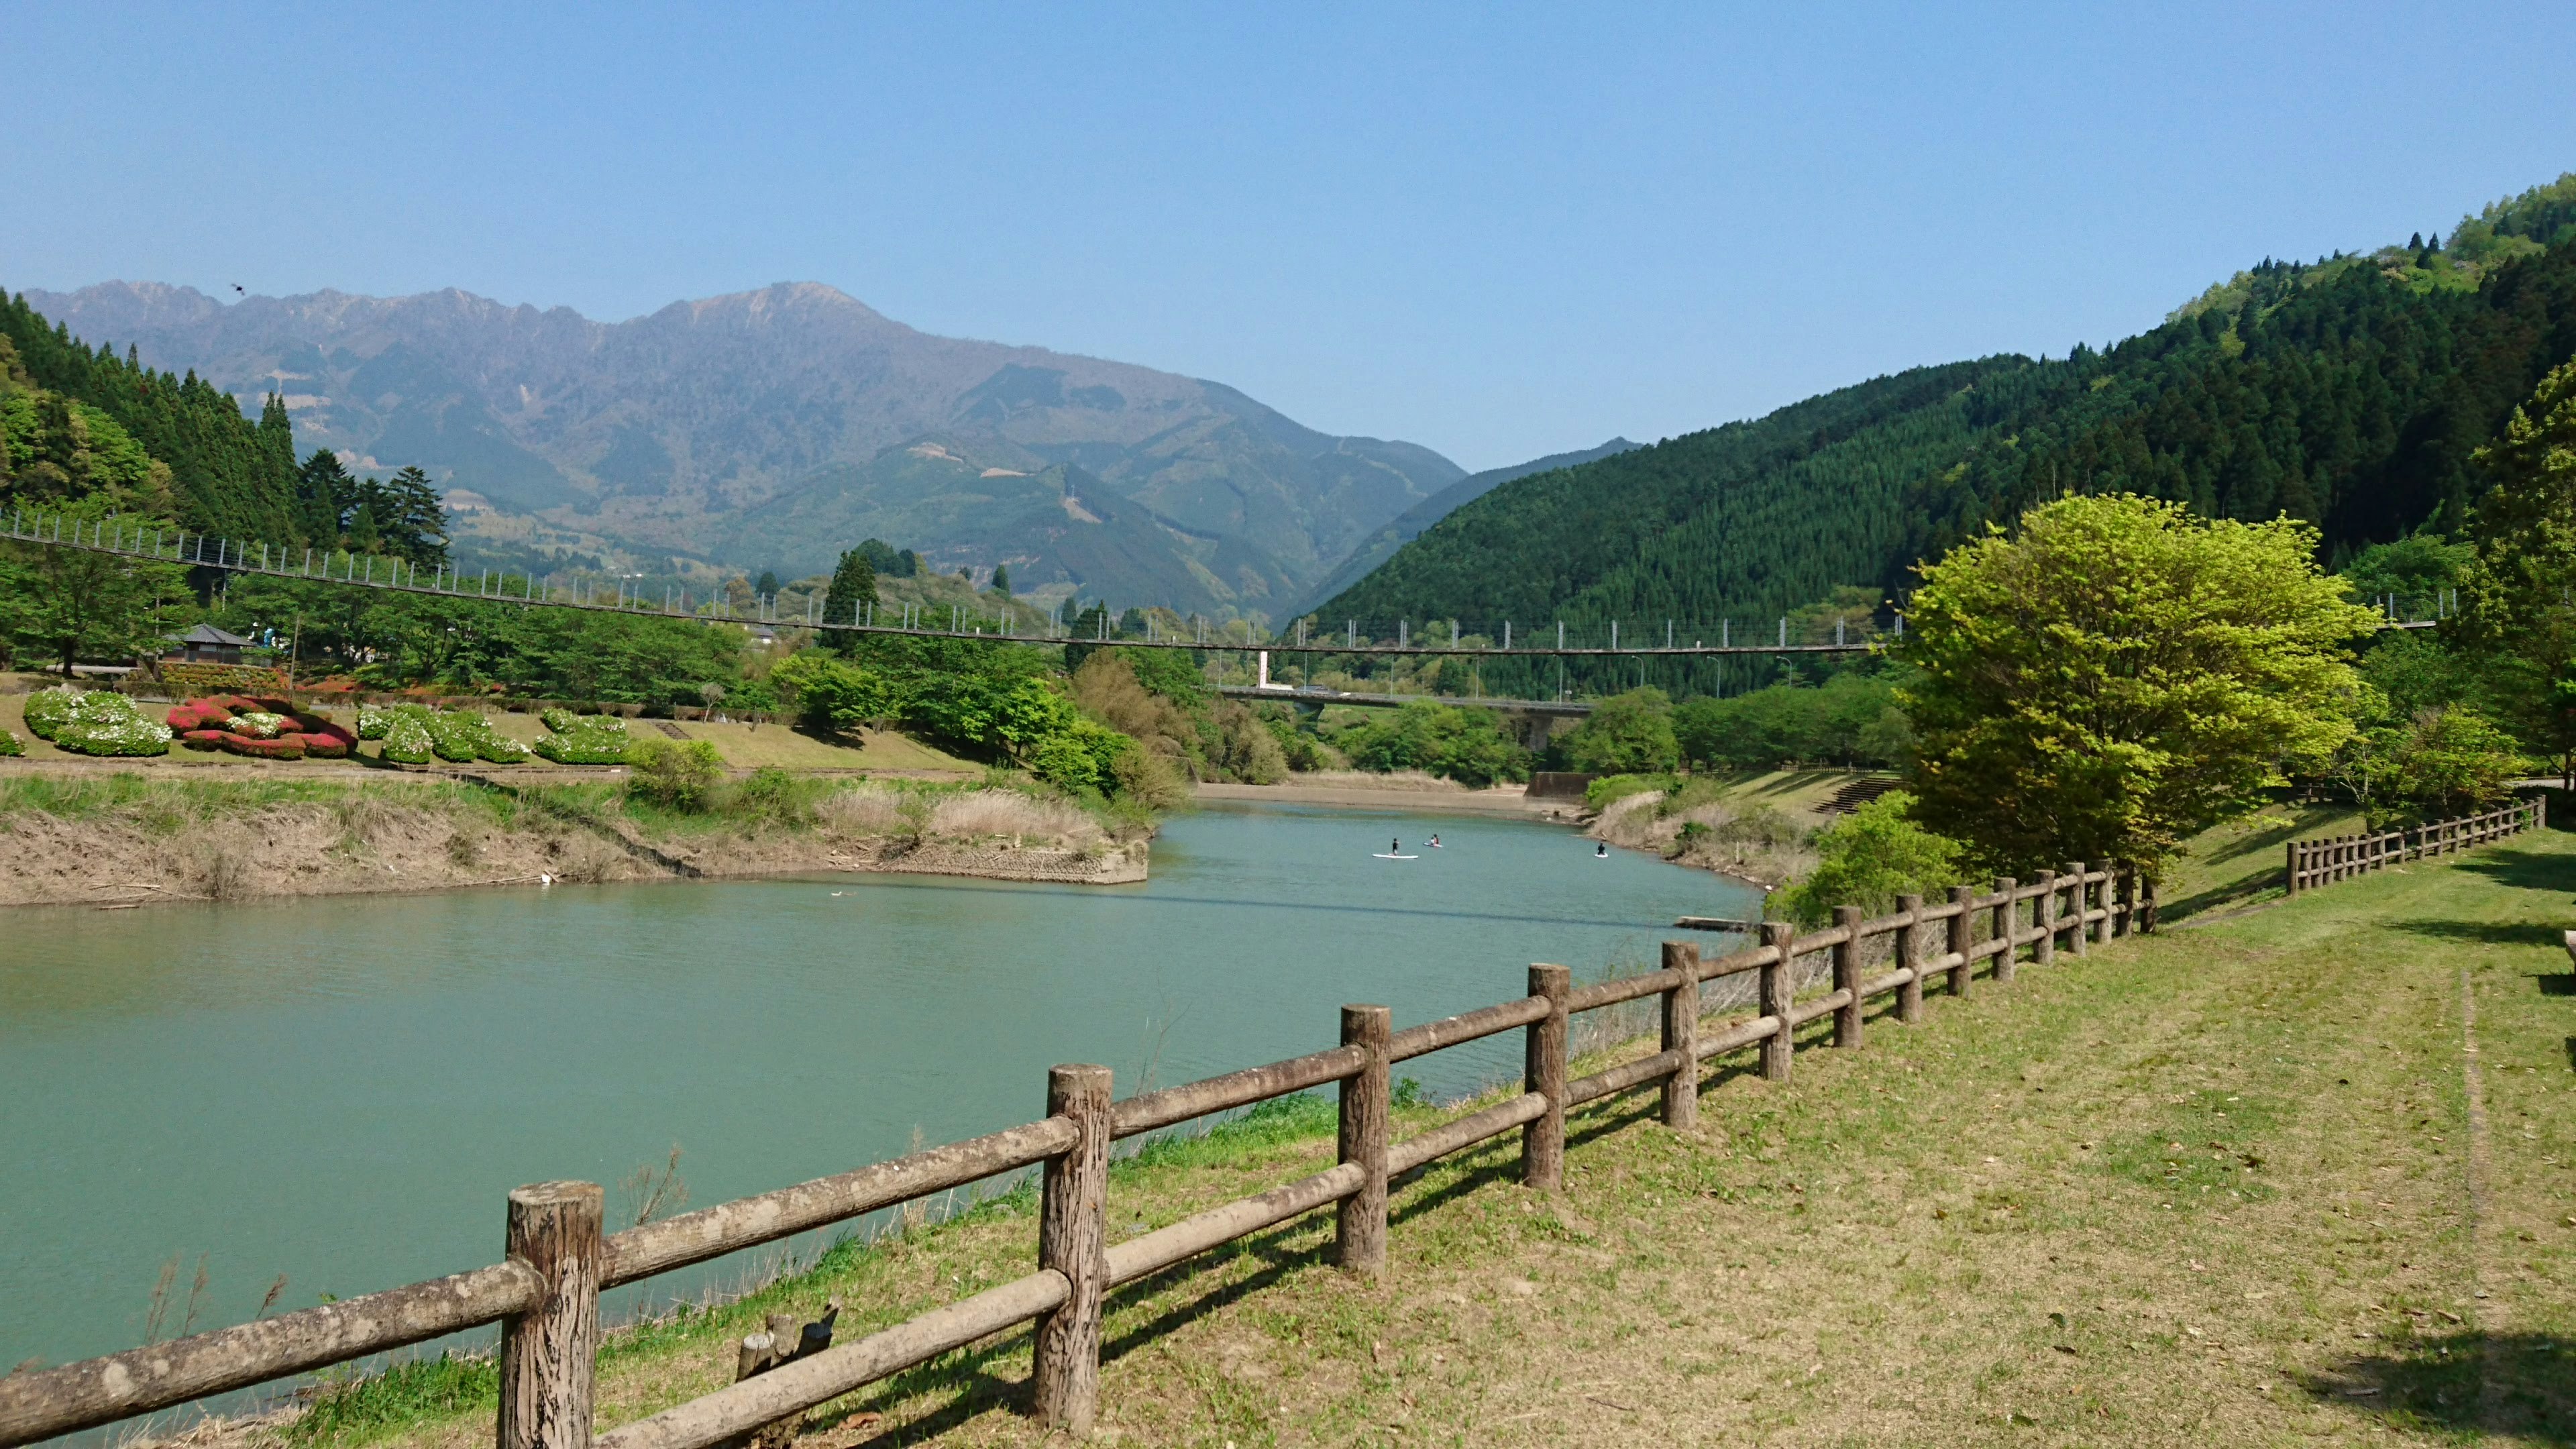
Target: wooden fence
2314	863
545	1291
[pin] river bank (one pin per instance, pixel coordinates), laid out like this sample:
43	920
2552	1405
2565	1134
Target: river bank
1352	791
122	839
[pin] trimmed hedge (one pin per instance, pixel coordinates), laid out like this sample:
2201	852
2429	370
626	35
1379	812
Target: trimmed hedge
10	745
205	739
583	739
218	678
94	722
406	740
321	747
259	724
289	748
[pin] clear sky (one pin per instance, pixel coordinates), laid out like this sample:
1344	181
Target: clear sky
1497	230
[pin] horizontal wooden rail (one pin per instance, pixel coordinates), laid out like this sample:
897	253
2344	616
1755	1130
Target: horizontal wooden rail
1191	1236
1145	1112
41	1403
2314	863
806	1382
1450	1031
546	1292
676	1242
1464	1133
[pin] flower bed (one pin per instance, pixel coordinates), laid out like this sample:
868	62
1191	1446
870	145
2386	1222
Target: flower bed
322	747
258	724
406	740
94	722
289	748
583	739
204	739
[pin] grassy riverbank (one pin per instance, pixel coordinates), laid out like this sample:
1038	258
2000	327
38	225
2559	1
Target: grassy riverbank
127	837
2289	1176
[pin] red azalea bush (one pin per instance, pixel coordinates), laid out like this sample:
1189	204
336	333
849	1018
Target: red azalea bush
319	747
286	747
202	739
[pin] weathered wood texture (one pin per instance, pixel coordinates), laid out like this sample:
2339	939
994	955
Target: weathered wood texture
713	1232
42	1403
2314	863
549	1351
1681	1035
1150	1110
1073	1230
546	1292
743	1407
1543	1064
1776	990
1359	1243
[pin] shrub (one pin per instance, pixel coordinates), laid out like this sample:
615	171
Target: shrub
95	723
406	741
10	745
259	724
1869	858
212	678
322	747
373	723
47	709
206	739
286	748
583	739
675	774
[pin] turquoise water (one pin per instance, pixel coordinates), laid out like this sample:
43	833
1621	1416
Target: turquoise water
342	1090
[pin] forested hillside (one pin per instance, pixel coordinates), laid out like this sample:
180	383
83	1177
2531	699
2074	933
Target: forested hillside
2348	392
227	474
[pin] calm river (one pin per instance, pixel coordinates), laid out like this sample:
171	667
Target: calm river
341	1090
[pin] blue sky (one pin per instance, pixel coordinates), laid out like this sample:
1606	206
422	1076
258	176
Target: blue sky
1496	230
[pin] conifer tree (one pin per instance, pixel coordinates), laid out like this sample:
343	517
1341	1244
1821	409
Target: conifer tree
853	587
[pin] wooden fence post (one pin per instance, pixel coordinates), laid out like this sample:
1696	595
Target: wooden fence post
1777	989
2291	867
2079	900
1073	1239
1359	1244
2043	920
2007	926
2146	904
1847	1020
1543	1059
1681	1034
1962	933
2123	891
1909	957
549	1354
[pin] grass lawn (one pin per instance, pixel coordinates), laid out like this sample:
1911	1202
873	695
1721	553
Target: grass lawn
2294	1176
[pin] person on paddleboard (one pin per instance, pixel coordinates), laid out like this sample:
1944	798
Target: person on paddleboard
1395	847
1601	851
1435	842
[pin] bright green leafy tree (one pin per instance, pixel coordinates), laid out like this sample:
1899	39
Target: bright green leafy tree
2118	675
1869	858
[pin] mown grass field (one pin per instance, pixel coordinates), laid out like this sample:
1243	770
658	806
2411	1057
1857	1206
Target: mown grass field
2295	1176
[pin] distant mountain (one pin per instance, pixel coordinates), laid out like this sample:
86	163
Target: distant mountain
1378	547
2349	392
771	429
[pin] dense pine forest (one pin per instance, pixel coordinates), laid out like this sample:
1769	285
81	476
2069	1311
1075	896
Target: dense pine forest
2348	392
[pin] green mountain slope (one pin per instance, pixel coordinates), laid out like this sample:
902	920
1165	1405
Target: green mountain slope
228	474
1407	526
2348	392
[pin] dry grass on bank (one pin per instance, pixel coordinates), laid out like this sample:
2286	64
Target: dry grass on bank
2229	1183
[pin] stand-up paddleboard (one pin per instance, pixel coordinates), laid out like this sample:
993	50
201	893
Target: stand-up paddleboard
1382	855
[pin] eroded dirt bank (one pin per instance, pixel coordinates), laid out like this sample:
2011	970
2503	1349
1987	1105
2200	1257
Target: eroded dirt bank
152	850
